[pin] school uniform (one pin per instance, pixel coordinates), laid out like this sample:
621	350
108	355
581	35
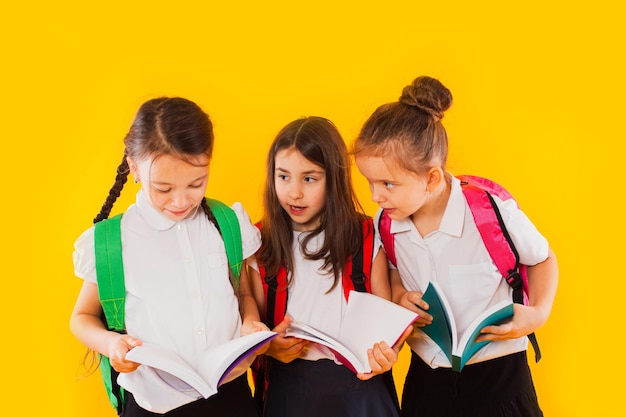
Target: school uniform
178	295
456	258
316	384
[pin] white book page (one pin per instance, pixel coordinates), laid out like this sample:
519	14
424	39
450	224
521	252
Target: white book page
370	319
166	360
303	331
227	361
220	364
478	322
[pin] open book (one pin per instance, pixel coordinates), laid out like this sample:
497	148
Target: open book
218	365
443	329
368	319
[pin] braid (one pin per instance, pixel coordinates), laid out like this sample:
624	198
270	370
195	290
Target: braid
209	214
114	192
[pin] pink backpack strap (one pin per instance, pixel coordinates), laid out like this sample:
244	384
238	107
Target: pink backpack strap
497	240
495	237
487	185
384	229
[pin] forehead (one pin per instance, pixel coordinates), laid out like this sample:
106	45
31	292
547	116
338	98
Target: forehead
380	166
169	167
292	160
165	160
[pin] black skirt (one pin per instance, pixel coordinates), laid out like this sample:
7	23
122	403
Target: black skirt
233	399
500	387
324	389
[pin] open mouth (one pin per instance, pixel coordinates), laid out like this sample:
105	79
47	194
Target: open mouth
296	209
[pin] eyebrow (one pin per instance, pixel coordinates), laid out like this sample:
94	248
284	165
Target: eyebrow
312	171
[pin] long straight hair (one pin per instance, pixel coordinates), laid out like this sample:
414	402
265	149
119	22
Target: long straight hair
318	140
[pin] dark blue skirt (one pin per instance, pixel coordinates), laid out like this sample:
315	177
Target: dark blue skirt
322	388
500	387
233	399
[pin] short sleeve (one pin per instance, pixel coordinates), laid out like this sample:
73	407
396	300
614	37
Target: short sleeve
250	234
84	256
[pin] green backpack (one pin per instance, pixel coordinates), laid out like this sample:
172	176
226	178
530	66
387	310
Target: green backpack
110	277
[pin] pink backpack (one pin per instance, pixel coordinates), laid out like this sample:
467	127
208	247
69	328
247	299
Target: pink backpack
478	192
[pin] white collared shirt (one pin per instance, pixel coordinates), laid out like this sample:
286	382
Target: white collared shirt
178	292
309	299
456	258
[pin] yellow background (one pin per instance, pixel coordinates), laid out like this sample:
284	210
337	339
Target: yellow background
538	94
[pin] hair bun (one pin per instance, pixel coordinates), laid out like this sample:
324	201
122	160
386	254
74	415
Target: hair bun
428	95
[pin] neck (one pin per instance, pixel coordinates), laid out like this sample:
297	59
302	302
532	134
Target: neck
428	218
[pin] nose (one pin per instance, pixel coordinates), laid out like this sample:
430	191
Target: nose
295	191
180	199
377	195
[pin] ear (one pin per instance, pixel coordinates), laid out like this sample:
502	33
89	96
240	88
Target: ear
435	177
133	168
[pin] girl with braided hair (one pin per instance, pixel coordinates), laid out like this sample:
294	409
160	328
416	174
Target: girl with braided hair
176	274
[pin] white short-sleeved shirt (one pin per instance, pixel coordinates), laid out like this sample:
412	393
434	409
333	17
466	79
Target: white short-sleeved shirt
178	292
456	258
308	298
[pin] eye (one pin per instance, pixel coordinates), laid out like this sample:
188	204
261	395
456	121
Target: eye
195	185
389	185
283	177
158	190
310	179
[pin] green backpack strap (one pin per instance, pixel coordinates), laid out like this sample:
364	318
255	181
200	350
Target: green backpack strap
231	234
112	294
110	271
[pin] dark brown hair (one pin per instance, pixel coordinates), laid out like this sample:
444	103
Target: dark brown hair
162	126
410	129
318	140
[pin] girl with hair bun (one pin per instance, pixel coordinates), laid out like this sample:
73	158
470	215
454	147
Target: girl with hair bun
402	151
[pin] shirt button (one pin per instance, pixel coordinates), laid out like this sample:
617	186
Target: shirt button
179	226
187	259
200	331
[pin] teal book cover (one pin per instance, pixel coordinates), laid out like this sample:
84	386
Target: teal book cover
443	330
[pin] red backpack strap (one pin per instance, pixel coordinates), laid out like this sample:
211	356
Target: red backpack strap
384	229
275	291
358	270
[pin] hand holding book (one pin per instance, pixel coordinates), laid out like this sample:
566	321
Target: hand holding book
285	349
460	348
216	366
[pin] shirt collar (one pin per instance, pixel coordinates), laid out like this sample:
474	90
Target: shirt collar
152	216
452	220
454	216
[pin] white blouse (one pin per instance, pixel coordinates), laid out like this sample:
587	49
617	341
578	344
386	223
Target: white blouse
309	300
178	292
456	258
